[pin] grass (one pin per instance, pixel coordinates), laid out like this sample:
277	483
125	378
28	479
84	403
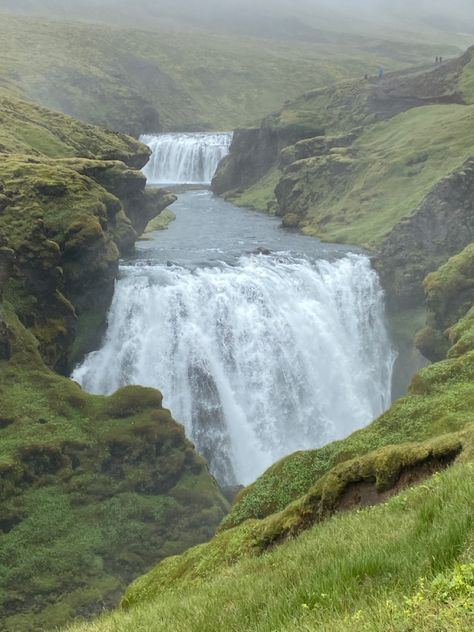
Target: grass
368	153
360	196
85	481
161	222
28	128
261	196
344	568
138	81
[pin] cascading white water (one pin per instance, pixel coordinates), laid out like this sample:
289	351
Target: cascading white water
258	360
185	158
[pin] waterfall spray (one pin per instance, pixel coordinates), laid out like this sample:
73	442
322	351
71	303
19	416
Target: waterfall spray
259	359
185	158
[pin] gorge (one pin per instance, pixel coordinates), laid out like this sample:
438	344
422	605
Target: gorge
259	355
236	367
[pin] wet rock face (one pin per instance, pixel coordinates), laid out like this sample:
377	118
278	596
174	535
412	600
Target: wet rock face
441	227
73	225
6	263
252	153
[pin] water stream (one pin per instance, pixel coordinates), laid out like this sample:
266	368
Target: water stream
258	355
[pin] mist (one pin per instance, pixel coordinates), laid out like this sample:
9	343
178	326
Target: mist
293	19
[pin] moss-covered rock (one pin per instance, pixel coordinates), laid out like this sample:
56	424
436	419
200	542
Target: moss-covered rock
93	489
67	220
449	298
85	481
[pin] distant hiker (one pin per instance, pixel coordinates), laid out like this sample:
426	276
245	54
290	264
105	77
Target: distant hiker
381	73
440	60
366	77
437	61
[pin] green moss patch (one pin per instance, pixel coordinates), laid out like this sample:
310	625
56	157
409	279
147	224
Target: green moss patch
86	481
338	573
358	197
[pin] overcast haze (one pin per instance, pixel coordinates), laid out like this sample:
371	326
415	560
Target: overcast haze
266	17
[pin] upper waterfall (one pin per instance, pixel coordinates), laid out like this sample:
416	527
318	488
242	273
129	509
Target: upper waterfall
185	158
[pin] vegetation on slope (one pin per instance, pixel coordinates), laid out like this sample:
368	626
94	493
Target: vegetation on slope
351	572
140	81
369	569
358	194
84	481
287	20
366	153
71	201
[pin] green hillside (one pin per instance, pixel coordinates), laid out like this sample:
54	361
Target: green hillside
137	81
290	556
368	155
84	480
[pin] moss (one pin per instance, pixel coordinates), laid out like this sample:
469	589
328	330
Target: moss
450	290
28	128
85	481
161	221
260	196
461	335
432	343
358	199
225	554
130	400
449	298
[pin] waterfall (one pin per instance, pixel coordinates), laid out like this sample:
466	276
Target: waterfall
185	158
271	355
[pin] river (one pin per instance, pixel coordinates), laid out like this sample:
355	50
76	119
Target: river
258	355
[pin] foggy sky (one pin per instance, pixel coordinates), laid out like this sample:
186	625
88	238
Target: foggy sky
340	15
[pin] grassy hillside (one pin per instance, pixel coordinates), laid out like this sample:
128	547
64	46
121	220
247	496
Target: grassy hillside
294	20
138	81
84	480
283	560
369	153
358	194
29	129
388	568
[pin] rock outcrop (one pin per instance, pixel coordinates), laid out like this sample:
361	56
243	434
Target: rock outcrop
440	228
253	152
92	489
67	223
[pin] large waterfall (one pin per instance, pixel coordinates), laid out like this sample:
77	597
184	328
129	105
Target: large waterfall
185	158
257	359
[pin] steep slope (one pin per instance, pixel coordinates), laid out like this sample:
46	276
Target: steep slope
84	480
144	81
71	201
367	570
385	164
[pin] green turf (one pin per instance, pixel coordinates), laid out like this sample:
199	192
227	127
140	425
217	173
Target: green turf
340	572
124	78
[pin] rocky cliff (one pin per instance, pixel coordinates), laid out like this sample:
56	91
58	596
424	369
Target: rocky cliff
85	481
384	164
72	202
